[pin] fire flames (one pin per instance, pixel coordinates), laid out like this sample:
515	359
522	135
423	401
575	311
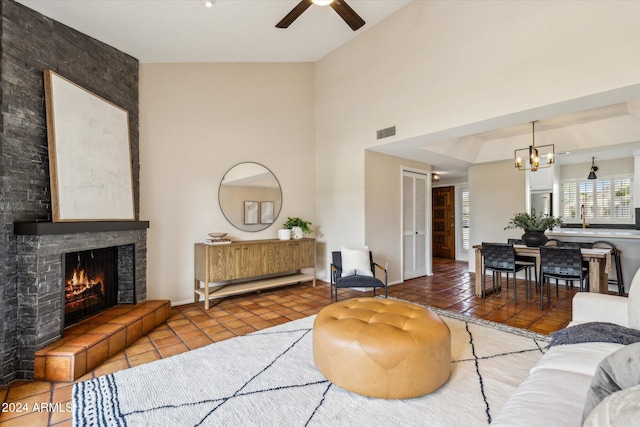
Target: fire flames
81	285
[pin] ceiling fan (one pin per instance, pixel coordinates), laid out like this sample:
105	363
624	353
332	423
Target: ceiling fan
349	15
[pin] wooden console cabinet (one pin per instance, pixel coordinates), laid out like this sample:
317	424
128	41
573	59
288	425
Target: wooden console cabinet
250	265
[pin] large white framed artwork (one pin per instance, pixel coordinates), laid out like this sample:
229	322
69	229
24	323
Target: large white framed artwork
89	154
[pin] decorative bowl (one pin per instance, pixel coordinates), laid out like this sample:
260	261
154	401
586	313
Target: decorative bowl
217	235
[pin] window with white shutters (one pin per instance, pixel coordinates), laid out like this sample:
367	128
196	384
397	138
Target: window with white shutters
464	195
606	200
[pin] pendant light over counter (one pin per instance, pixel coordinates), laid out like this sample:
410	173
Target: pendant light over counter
594	169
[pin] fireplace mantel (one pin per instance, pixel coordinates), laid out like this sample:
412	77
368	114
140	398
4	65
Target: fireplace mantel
36	228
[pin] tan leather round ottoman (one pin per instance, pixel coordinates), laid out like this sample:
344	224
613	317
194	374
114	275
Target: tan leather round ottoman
382	348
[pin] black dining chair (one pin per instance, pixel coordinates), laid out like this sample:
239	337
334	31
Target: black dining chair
354	280
565	244
531	261
501	258
561	263
615	254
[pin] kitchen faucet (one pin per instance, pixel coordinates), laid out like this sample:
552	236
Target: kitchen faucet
583	216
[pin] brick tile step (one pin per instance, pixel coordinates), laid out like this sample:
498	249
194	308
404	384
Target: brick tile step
87	344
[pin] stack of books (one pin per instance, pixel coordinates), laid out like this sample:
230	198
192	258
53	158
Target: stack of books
217	241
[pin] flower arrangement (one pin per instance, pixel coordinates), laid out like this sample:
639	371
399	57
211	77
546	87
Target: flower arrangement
298	222
533	222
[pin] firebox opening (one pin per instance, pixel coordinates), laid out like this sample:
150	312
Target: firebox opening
90	283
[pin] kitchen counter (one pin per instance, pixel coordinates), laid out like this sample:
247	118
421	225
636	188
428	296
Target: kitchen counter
599	233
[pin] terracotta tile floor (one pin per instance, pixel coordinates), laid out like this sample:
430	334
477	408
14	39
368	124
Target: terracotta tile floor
39	403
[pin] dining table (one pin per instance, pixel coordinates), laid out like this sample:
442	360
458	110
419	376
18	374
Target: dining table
599	266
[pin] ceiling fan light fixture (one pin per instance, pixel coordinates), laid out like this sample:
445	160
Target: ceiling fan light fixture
348	15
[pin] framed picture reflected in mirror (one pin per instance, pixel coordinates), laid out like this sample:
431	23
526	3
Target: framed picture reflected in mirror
251	212
266	212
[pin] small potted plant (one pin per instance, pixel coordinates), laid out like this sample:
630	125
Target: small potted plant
534	227
298	227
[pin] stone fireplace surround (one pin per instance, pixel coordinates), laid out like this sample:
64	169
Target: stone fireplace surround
41	248
29	44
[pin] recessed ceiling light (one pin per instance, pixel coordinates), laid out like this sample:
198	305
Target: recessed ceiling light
208	3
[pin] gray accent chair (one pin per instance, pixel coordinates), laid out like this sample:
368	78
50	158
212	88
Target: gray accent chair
355	281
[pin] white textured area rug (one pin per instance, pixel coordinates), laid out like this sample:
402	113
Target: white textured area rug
268	378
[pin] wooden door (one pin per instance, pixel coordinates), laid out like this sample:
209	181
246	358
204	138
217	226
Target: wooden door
290	255
280	257
248	260
304	254
237	264
221	265
444	220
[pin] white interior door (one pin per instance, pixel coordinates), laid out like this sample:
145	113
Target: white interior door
414	224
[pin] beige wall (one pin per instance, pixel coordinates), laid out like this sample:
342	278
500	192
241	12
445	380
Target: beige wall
196	122
383	203
439	65
605	168
496	192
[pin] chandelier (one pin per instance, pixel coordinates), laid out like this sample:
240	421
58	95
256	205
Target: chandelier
534	154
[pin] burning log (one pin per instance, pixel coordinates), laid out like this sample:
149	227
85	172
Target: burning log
80	286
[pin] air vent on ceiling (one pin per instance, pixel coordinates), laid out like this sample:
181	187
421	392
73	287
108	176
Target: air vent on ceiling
385	133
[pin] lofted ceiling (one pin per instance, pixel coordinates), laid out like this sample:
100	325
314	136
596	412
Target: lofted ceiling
229	31
165	31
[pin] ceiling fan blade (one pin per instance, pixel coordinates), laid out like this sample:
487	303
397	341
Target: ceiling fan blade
349	15
294	14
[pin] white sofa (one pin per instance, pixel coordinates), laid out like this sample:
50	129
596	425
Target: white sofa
554	393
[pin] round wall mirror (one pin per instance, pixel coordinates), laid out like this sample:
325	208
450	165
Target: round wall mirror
250	196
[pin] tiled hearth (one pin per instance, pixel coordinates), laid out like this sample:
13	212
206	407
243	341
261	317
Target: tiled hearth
87	344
